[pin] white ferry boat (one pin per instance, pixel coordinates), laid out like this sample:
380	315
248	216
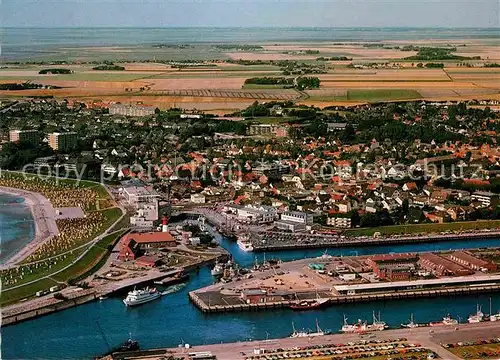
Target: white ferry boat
142	296
477	317
244	243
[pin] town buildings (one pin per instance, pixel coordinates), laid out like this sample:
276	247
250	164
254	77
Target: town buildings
31	136
131	110
63	141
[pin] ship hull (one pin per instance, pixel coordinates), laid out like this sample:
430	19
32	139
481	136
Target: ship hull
141	301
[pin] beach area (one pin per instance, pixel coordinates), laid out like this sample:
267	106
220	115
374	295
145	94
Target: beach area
43	214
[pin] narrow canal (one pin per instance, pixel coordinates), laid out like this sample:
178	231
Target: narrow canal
172	320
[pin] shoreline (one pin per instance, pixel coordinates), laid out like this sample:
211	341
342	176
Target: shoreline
43	214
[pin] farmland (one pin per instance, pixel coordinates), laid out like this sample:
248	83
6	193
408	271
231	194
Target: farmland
215	78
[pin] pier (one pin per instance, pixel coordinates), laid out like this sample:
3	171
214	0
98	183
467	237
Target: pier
77	296
315	241
205	307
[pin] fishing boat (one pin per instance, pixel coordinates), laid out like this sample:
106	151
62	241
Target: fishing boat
297	334
360	326
477	317
244	243
309	304
447	321
142	296
412	324
218	270
303	333
494	317
378	324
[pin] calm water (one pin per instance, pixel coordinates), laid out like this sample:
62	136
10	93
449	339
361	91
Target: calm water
16	226
23	42
172	320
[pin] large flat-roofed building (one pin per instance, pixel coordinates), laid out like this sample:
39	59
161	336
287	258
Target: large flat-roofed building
470	261
393	266
131	110
384	287
63	141
31	136
298	217
255	214
138	194
441	266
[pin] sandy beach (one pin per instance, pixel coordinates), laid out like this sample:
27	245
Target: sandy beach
45	224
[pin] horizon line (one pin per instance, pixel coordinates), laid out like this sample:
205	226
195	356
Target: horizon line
250	27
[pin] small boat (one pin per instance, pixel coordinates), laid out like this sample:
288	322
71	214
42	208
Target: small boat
360	326
309	304
244	243
103	297
412	324
494	317
217	270
303	333
477	317
447	321
142	296
378	324
174	288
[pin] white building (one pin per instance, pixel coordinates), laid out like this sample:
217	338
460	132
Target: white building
255	214
339	222
137	194
198	198
297	217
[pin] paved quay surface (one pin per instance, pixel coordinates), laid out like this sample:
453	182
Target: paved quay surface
426	337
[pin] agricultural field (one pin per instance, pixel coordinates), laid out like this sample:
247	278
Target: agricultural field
215	81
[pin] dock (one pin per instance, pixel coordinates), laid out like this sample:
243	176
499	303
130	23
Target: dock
314	242
234	304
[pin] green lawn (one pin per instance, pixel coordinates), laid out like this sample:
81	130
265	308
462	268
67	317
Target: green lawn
95	256
270	120
8	297
425	228
370	95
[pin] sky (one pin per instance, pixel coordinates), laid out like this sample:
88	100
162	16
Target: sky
249	13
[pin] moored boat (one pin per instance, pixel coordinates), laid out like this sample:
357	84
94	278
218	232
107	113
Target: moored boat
303	333
477	317
359	327
378	324
447	320
142	296
412	324
309	304
244	243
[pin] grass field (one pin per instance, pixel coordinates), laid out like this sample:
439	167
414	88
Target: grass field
95	256
8	297
426	228
483	351
367	95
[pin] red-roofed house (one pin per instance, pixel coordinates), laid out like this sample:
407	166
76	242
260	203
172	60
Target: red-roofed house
133	245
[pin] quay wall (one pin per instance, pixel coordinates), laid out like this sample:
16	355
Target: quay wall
9	319
198	302
257	247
